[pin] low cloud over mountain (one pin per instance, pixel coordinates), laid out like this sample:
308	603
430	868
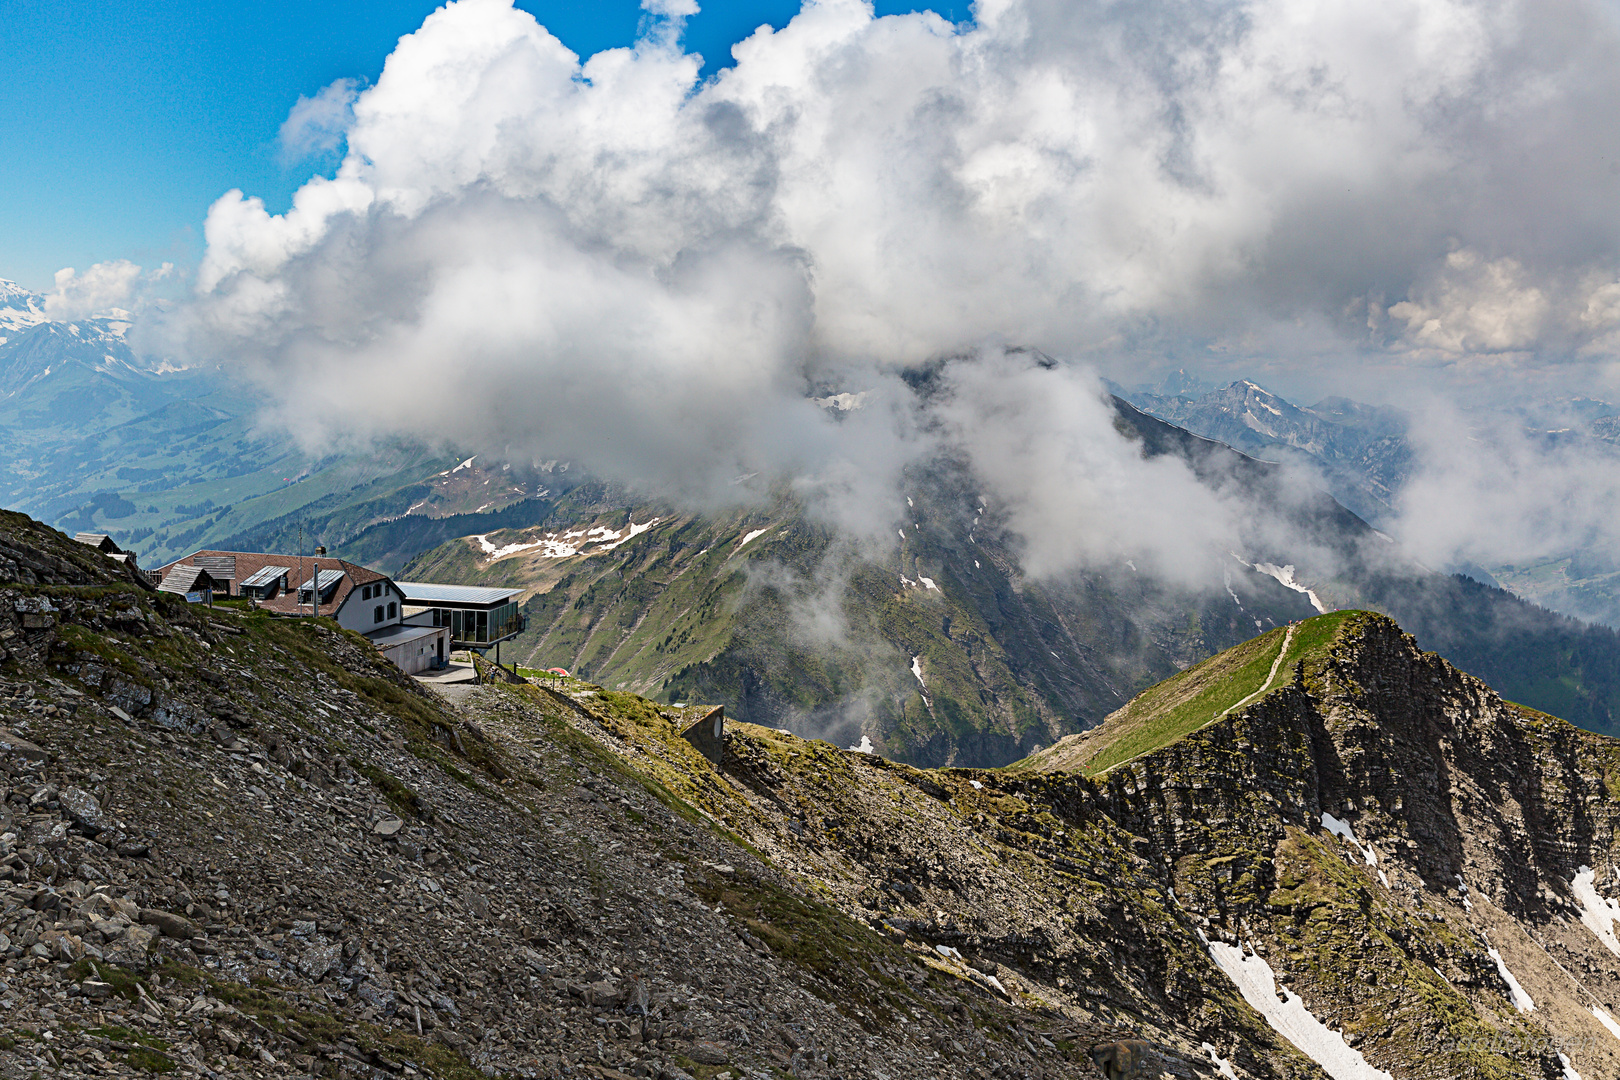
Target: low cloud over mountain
609	258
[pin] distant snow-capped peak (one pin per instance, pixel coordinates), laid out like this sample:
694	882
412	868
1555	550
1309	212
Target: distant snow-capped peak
19	309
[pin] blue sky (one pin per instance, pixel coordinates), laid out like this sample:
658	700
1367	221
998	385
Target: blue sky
124	119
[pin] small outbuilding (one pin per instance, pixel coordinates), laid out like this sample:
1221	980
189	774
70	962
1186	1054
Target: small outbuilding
107	546
191	582
413	648
100	541
708	734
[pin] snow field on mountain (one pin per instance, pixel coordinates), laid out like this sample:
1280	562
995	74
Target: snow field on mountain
1521	997
1597	913
1289	1017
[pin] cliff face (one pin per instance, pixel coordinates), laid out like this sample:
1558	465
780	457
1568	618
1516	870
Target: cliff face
1381	825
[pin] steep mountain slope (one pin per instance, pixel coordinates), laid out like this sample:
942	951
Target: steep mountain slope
1548	660
1364	455
60	379
246	846
938	649
234	845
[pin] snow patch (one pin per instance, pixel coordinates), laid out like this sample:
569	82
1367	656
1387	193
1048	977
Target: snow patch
916	669
864	746
464	465
631	533
1229	591
1285	578
508	549
1597	913
1342	828
1604	1018
1569	1070
1222	1066
1289	1017
750	536
1521	999
975	785
569	542
928	582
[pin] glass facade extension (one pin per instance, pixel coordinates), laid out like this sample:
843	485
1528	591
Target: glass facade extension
480	627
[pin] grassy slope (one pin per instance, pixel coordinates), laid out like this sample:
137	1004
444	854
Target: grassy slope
683	613
796	630
1185	702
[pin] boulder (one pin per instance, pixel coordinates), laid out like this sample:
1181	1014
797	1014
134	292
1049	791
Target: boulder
169	924
15	746
84	810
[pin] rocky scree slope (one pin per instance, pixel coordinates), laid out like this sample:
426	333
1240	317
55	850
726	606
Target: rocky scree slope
245	846
233	845
1420	865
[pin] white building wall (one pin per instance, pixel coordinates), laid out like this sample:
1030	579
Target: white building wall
358	615
414	656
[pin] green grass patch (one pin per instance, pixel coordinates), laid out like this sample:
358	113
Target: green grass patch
400	796
124	983
150	1061
1187	701
851	962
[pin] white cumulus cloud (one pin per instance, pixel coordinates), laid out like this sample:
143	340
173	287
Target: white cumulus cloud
102	288
610	258
316	125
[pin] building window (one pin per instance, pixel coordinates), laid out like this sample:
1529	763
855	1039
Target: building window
392	610
377	616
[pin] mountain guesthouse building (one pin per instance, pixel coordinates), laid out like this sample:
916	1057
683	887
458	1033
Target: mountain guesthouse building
359	599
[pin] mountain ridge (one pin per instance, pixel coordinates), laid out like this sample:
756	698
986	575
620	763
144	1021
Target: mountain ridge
449	884
942	650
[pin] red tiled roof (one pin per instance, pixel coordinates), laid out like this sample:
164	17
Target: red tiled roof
302	568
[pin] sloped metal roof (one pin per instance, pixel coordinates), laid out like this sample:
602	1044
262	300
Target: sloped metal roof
429	593
265	576
328	579
185	579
